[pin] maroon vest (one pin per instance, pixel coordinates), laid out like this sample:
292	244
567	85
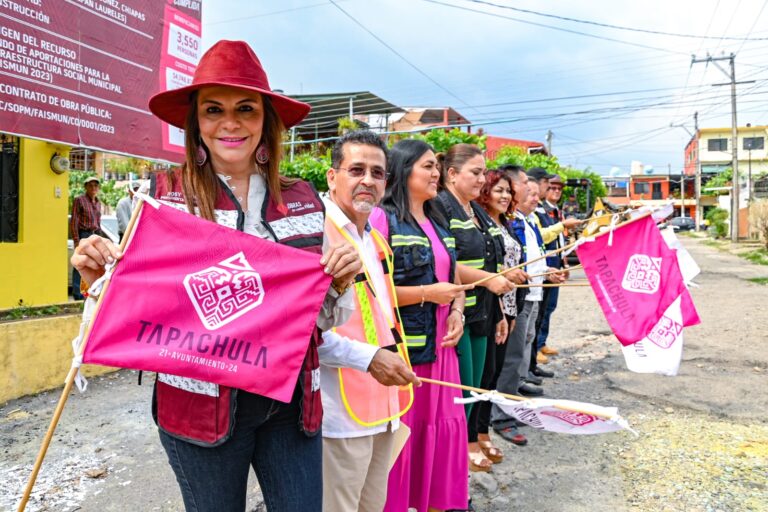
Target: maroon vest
203	413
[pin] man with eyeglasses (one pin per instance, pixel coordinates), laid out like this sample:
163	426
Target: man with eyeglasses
363	402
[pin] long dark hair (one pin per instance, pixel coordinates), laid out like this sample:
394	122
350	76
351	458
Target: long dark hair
397	198
200	183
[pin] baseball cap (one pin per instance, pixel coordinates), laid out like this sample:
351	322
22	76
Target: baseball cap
538	173
90	179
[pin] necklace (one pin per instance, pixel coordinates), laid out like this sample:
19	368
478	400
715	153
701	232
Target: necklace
469	211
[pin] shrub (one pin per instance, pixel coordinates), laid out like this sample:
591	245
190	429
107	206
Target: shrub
309	168
442	140
758	219
718	226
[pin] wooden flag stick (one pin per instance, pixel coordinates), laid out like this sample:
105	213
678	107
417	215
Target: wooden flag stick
512	397
575	267
556	251
543	256
622	224
550	285
71	376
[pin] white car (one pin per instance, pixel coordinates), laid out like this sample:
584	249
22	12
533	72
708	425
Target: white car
108	226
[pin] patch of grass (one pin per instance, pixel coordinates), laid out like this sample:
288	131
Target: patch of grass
758	280
759	256
714	243
24	311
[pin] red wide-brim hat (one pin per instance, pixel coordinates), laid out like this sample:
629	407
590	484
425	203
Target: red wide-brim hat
227	63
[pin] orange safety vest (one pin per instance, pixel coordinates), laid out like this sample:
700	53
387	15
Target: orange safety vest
368	402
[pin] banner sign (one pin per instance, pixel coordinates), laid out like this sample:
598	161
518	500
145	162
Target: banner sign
199	300
635	277
81	72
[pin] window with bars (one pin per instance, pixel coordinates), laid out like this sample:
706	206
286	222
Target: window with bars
717	144
9	189
82	160
752	143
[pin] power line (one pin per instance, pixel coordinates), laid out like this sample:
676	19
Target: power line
616	27
283	11
560	29
402	57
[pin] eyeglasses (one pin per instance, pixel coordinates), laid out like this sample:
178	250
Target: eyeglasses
377	173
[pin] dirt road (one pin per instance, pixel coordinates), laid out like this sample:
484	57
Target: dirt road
703	443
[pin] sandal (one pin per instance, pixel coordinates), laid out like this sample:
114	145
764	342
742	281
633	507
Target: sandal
478	462
490	451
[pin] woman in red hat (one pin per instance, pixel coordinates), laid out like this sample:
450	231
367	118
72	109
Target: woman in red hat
213	434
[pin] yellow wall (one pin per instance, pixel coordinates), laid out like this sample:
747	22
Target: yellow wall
36	355
34	270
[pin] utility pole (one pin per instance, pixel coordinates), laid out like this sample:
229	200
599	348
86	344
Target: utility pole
682	174
549	142
697	183
734	134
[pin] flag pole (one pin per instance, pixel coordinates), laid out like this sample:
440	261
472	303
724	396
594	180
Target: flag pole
568	269
521	265
550	285
556	251
513	397
71	376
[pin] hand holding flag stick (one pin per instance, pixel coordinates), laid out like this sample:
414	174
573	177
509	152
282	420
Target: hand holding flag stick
73	371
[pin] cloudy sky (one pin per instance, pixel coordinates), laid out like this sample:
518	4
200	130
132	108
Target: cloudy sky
607	77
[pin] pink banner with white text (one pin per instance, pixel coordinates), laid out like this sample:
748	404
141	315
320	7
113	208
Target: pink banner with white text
196	299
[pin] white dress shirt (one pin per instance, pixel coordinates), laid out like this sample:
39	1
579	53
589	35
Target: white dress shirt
533	251
340	351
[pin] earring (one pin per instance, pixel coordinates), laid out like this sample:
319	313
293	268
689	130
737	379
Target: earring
262	154
202	155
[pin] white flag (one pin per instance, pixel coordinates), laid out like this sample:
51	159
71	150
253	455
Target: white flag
561	416
662	349
688	266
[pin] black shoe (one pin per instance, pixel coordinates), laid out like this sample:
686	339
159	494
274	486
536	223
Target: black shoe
532	379
529	390
541	372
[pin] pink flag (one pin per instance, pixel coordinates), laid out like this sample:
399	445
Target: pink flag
199	300
635	279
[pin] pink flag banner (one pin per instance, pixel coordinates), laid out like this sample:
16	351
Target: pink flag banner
635	277
199	300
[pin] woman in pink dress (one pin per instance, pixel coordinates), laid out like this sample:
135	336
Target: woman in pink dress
431	472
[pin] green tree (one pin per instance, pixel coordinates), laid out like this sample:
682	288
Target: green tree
347	124
718	218
308	167
109	192
442	140
513	155
722	179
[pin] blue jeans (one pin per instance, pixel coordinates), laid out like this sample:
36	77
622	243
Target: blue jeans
288	464
554	293
76	295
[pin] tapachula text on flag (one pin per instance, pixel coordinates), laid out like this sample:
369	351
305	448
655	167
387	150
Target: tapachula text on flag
234	349
612	289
